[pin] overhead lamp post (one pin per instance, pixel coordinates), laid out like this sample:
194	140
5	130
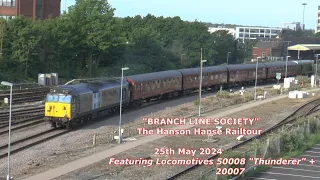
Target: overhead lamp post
255	84
228	57
181	58
287	57
9	143
288	46
316	69
120	135
201	64
304	6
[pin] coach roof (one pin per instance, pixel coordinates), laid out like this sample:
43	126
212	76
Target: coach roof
89	87
303	61
280	63
244	66
155	76
208	69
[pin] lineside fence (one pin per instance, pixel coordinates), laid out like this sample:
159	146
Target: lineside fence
278	144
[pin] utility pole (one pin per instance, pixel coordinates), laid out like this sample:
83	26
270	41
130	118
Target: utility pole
200	85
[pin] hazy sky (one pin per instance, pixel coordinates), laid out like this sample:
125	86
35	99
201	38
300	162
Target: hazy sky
243	12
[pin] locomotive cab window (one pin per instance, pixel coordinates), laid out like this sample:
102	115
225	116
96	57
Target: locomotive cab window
52	98
65	98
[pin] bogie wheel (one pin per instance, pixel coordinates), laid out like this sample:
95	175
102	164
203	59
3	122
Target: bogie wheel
53	124
68	125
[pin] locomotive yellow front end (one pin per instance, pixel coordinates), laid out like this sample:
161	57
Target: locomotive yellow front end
58	109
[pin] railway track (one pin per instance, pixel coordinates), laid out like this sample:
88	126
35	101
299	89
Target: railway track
4	129
24	90
25	95
30	141
28	112
304	110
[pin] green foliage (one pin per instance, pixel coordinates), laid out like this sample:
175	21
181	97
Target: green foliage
248	96
298	33
223	94
89	41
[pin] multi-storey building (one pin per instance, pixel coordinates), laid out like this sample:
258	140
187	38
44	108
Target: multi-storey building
318	20
243	33
291	25
35	9
231	31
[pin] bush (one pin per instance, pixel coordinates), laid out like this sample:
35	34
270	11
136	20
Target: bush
196	102
223	94
274	91
303	79
247	96
260	92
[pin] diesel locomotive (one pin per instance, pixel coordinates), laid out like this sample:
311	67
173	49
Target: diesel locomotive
67	105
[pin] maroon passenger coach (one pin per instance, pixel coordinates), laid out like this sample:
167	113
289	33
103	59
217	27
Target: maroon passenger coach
155	85
244	73
212	77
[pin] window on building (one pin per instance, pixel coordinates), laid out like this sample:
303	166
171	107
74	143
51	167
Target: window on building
8	3
7	17
39	9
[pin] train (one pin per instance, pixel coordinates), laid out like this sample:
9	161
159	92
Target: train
69	105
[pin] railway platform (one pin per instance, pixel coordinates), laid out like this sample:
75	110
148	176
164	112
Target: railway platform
83	162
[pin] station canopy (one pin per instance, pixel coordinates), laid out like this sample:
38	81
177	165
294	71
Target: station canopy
304	47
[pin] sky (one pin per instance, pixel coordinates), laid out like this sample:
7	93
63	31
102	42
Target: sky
241	12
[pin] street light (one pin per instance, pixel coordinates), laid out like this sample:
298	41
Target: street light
181	58
120	136
228	57
9	84
288	46
315	84
287	57
201	63
255	84
304	6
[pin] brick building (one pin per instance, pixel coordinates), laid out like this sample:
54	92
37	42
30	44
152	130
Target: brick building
268	48
35	9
